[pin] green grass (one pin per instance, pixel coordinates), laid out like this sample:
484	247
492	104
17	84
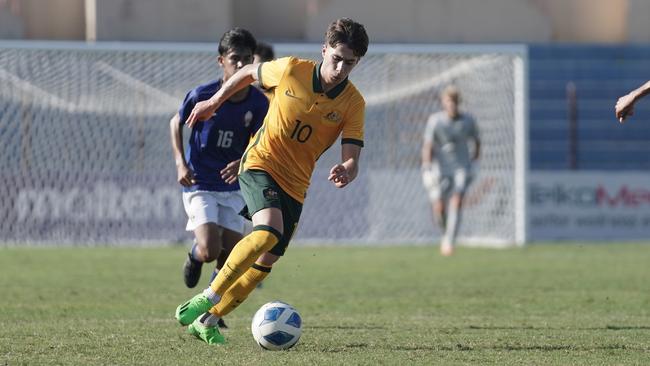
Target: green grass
550	304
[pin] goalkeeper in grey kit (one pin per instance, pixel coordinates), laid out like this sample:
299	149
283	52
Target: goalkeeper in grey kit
447	167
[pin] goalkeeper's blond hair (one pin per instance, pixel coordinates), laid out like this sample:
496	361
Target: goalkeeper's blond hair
452	92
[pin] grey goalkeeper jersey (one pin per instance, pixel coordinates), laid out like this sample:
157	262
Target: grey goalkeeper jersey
450	140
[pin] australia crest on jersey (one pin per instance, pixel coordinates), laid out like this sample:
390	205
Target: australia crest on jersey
334	117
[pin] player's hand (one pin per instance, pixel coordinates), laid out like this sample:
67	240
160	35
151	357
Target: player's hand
428	179
339	176
202	111
185	176
624	107
229	173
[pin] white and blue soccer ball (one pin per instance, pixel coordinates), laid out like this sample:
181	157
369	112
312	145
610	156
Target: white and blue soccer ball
276	326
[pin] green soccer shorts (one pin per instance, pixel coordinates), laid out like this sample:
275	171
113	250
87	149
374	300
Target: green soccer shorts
261	191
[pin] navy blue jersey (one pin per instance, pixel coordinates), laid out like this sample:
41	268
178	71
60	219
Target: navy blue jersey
221	139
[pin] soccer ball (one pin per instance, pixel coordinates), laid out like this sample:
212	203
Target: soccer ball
276	326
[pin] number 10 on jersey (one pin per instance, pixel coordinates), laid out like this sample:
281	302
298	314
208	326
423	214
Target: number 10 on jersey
301	132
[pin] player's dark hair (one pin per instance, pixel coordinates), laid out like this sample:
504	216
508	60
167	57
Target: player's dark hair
349	33
237	38
265	51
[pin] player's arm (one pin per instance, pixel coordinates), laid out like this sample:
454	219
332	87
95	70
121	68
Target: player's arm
477	148
205	109
476	136
427	153
625	104
230	172
345	172
351	143
184	175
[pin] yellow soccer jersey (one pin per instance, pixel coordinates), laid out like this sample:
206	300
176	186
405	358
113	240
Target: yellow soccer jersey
302	122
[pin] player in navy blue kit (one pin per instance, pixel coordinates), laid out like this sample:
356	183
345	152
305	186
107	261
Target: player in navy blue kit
208	169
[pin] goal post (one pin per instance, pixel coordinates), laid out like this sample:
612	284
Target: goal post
84	145
389	204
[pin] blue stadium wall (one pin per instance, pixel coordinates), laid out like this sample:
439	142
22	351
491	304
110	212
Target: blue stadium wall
600	74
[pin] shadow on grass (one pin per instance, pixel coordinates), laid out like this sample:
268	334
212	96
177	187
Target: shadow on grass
529	327
347	327
512	347
464	348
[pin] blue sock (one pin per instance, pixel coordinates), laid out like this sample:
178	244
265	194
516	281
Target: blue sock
214	274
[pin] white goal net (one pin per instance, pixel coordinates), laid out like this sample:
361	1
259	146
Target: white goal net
85	155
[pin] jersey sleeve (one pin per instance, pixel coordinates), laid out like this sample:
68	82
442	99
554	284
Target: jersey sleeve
188	104
429	129
354	123
270	73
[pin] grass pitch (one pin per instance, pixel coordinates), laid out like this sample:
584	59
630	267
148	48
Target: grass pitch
544	304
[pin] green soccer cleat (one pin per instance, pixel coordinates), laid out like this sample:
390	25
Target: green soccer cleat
192	309
208	334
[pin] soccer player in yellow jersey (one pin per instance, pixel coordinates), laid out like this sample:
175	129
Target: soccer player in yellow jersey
313	104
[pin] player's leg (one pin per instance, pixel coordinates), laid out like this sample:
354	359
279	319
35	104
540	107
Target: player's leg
227	249
239	291
245	284
202	211
261	239
263	198
460	184
442	210
206	327
232	224
432	183
449	235
440	213
267	232
208	242
229	238
206	247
